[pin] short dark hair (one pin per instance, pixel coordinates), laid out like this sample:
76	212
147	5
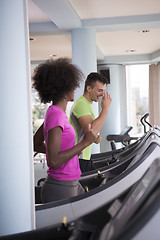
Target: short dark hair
55	78
92	78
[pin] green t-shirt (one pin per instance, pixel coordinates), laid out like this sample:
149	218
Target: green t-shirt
81	107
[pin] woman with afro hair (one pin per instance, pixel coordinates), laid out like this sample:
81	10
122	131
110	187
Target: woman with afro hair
55	82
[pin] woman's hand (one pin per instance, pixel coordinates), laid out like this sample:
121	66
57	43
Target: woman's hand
98	139
89	136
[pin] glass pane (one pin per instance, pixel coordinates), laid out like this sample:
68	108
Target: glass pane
38	111
137	82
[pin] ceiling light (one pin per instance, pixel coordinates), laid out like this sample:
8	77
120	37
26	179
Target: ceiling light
31	39
53	55
130	50
144	31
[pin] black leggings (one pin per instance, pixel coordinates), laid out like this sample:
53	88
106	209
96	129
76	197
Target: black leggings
54	190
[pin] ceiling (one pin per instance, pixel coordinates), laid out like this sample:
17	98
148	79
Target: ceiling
127	31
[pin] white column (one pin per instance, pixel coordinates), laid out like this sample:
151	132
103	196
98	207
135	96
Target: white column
116	117
16	163
84	56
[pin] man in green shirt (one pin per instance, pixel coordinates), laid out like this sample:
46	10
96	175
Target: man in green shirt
82	113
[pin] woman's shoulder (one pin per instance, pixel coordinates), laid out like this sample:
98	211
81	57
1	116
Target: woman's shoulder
54	112
54	109
54	117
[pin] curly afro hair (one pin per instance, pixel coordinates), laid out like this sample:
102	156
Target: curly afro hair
55	78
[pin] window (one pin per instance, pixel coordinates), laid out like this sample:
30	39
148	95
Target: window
38	111
137	85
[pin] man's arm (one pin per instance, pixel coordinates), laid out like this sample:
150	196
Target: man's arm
99	121
39	145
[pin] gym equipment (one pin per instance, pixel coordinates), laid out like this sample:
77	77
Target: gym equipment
134	214
144	122
122	159
81	216
138	215
76	207
107	172
52	232
124	136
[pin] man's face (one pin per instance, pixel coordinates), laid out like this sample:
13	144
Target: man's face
97	91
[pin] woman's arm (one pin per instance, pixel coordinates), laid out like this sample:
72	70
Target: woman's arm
55	156
39	145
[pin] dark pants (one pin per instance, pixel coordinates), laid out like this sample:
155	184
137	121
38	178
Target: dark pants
54	190
86	165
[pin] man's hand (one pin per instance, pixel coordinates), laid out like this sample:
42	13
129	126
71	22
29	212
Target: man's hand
106	101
